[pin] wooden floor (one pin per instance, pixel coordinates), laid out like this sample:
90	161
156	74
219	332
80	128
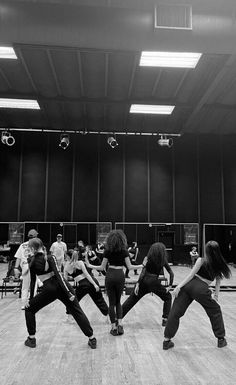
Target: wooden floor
62	356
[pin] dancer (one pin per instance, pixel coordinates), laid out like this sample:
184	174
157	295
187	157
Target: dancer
54	287
148	281
86	283
133	253
21	256
116	254
196	287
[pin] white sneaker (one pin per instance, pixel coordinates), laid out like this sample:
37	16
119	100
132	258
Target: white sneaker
23	307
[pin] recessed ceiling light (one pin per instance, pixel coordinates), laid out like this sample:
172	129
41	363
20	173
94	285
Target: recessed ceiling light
7	53
151	109
169	59
19	103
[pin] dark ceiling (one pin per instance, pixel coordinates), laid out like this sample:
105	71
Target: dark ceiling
80	60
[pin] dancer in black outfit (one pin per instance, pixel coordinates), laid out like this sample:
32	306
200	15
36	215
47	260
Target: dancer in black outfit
116	254
86	282
196	287
54	287
148	281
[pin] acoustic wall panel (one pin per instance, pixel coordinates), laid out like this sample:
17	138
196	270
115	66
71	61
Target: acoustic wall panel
136	179
33	177
9	180
186	179
86	179
161	182
210	172
60	170
229	173
111	180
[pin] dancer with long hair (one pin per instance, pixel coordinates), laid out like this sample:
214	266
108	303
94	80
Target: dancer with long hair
117	256
149	281
54	287
86	283
196	287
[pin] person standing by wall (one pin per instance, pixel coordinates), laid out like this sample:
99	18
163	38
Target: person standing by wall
59	249
196	287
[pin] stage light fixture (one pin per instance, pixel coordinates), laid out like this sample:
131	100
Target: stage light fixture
64	141
7	138
112	141
165	142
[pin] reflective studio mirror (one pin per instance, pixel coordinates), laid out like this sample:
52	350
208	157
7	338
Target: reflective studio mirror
14	233
225	235
179	238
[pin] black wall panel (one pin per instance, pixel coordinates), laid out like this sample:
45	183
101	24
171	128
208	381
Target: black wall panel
210	171
33	177
60	170
9	180
229	153
111	181
86	179
136	179
185	179
161	182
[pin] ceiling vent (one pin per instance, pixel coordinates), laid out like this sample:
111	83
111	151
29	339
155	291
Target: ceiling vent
173	16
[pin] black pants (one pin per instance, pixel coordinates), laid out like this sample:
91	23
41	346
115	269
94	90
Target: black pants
85	287
51	290
149	284
115	282
199	291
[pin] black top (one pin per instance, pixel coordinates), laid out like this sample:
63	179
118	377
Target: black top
116	258
153	268
76	273
205	272
40	264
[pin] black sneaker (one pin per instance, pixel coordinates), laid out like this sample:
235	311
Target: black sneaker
30	342
120	330
164	321
168	344
221	342
92	342
113	332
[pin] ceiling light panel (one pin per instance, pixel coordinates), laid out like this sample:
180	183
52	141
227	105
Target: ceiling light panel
169	59
151	109
7	53
19	103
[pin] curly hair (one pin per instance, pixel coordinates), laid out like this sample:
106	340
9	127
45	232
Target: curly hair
116	241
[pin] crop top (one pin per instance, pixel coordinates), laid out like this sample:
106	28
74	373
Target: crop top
116	258
204	272
38	266
75	273
153	268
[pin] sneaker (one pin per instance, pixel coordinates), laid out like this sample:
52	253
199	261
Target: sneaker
23	307
30	342
114	332
92	342
168	344
120	330
221	342
164	321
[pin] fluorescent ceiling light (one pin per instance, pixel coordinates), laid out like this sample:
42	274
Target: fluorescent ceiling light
151	109
169	59
19	103
7	53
